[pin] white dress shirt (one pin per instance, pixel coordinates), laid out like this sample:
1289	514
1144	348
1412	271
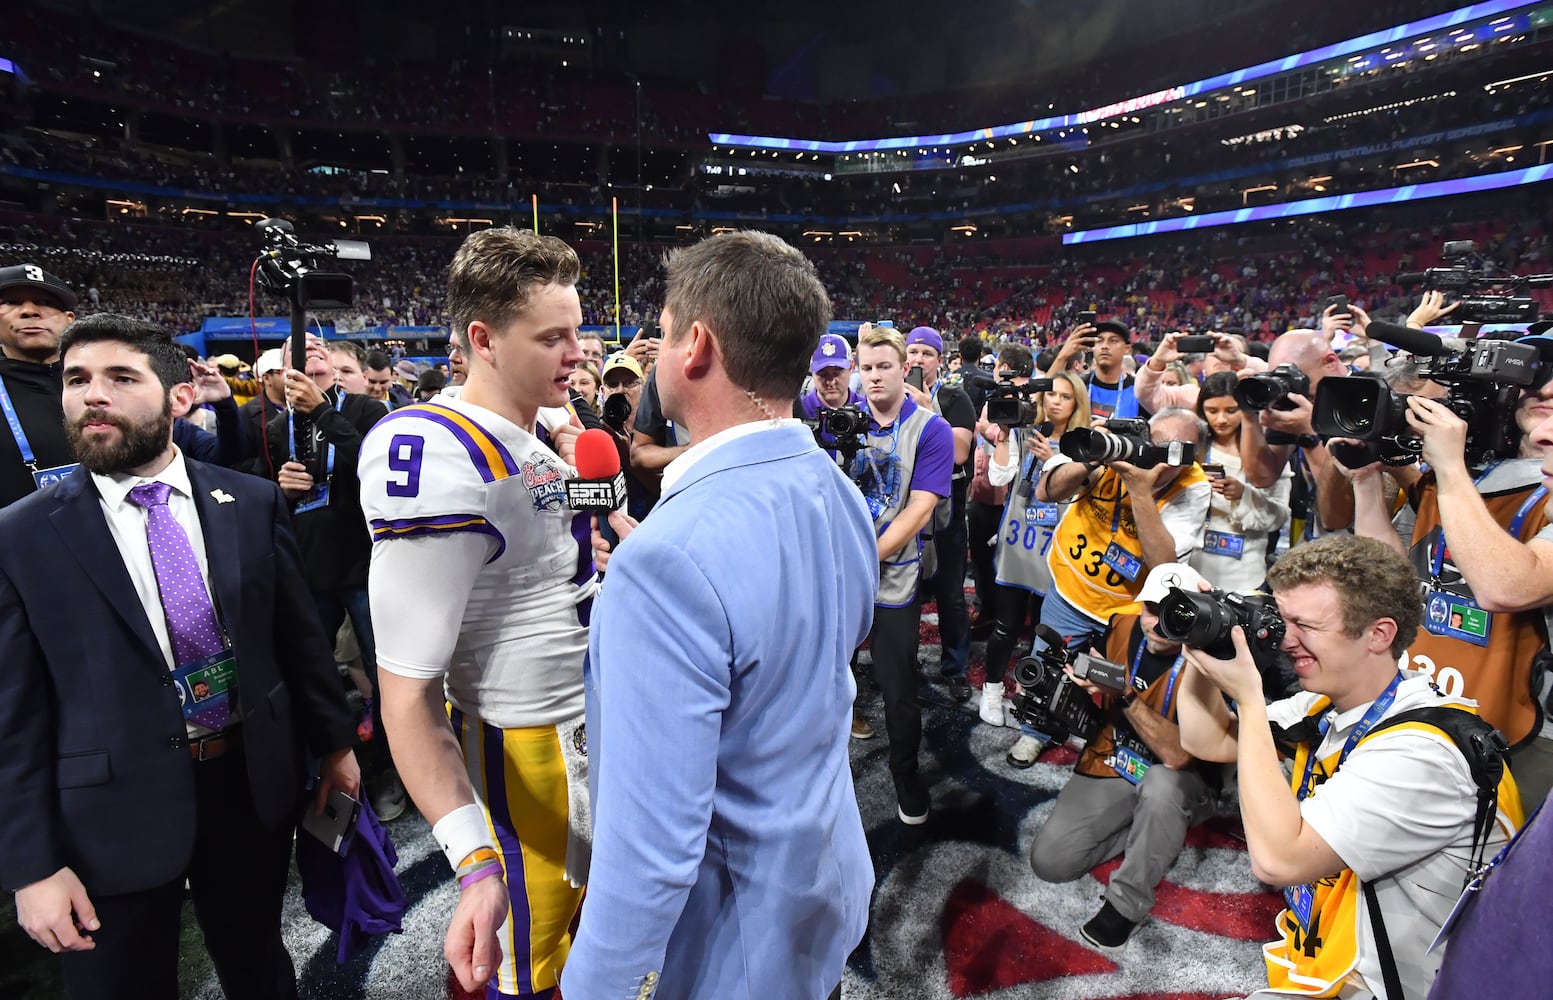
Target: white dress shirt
127	523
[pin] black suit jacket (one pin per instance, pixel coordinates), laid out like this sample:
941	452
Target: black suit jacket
94	771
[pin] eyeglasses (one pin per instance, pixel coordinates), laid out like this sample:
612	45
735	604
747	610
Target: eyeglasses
623	385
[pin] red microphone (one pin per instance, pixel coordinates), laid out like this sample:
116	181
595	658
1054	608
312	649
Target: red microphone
600	486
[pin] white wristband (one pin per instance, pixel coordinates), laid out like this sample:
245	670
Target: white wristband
461	832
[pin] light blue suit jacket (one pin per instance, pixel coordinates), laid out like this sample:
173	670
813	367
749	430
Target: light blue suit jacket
729	859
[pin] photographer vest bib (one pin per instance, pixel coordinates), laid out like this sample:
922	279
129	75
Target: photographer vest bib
1025	534
1096	518
1494	666
1319	947
882	470
1095	761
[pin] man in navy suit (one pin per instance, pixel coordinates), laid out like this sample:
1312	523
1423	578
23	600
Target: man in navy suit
164	676
729	858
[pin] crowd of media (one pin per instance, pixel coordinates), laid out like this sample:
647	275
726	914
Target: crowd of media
1122	503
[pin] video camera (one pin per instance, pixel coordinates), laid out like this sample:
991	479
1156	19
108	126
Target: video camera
1482	300
1484	383
841	429
1125	440
289	267
1270	390
1010	405
1204	621
1051	701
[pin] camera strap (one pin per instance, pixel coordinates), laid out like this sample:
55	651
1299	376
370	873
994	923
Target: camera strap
1170	684
291	434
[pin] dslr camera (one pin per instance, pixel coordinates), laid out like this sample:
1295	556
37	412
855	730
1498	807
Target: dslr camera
1051	702
1125	440
1204	621
1010	405
1270	390
1484	384
1485	298
842	429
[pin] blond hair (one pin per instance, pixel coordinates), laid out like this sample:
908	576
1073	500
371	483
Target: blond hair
1373	580
870	335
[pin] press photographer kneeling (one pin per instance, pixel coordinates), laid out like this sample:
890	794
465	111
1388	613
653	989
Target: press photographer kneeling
1134	788
1395	784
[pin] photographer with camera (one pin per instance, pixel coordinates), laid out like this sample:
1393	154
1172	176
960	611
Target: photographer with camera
1106	539
831	366
904	471
1134	788
1026	526
1384	818
1282	435
1478	537
945	564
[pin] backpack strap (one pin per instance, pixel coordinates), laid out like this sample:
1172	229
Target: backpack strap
1481	745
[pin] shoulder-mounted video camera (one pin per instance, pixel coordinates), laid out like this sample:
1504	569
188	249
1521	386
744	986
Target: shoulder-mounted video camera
1483	381
1010	405
1485	297
1125	440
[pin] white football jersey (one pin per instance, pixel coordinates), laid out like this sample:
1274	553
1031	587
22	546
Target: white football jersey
448	468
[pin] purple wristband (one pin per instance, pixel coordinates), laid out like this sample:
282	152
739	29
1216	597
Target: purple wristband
493	868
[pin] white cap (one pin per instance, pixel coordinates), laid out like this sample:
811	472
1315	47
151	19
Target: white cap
272	360
1162	578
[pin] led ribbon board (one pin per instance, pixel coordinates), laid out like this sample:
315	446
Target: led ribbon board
1318	206
1353	46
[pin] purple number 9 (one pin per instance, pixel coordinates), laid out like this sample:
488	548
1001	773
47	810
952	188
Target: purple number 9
404	457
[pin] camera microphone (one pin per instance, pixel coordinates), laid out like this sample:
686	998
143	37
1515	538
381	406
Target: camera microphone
600	486
1408	339
1412	278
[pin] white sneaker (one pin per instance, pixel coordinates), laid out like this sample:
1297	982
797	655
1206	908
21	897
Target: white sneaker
992	703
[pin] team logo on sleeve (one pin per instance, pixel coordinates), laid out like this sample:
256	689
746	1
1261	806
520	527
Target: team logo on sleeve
546	484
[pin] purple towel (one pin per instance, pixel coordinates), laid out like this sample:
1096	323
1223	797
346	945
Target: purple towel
357	895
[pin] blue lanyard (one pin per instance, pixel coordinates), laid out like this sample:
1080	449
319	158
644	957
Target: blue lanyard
1170	685
291	430
30	459
1371	717
1437	563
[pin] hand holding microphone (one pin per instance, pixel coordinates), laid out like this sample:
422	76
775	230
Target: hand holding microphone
600	487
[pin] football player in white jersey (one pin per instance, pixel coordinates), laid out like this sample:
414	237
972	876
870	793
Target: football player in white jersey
481	585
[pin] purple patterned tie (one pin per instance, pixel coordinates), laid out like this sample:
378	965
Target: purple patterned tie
191	620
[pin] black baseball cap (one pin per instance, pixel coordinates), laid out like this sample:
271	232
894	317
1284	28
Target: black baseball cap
1122	330
33	276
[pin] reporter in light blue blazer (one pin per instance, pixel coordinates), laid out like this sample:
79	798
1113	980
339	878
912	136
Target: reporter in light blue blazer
729	859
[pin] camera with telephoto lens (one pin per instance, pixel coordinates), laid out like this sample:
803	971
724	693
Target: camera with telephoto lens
1483	297
1270	390
1010	405
1483	382
840	429
1125	440
1204	621
1051	701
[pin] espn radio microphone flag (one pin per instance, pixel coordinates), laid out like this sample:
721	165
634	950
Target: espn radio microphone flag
600	486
